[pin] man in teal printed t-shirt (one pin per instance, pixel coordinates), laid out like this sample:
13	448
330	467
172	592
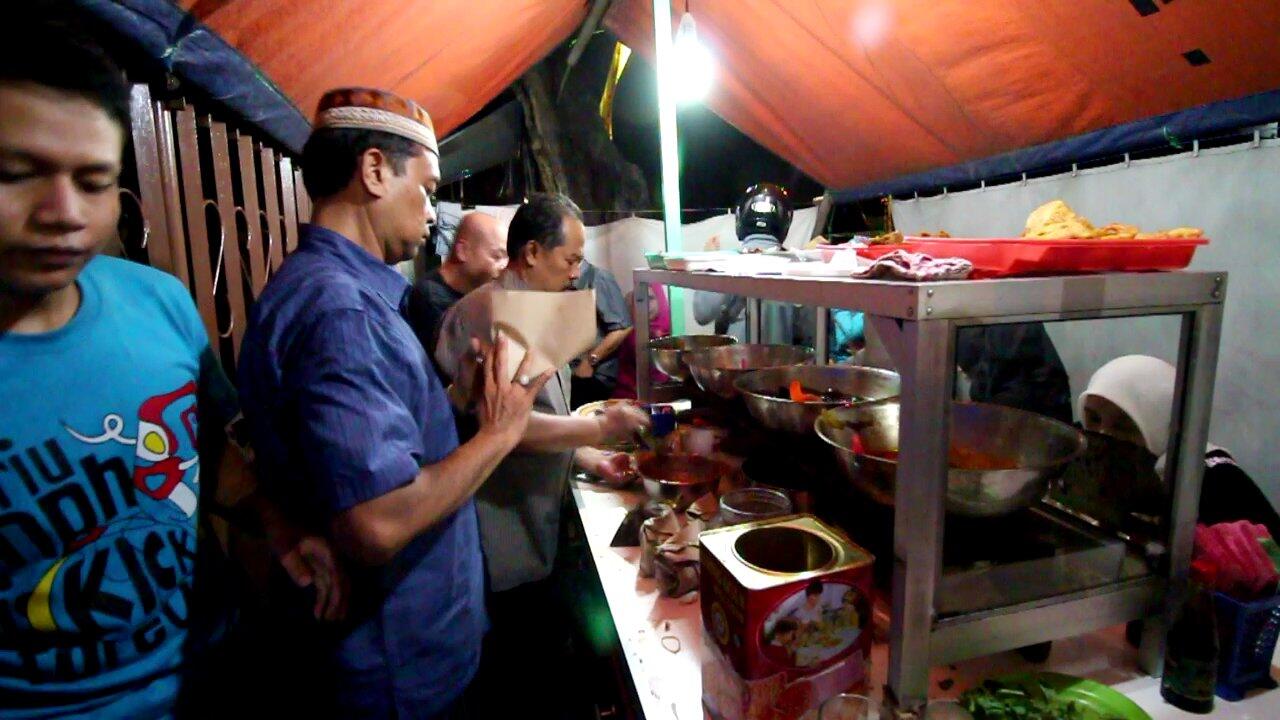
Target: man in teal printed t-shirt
106	374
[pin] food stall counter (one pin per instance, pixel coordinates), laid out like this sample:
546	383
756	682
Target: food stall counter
661	638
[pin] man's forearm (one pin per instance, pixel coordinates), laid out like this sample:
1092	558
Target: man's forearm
610	343
236	496
556	433
374	531
280	533
239	496
707	306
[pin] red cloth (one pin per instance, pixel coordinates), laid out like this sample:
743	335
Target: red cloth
1242	569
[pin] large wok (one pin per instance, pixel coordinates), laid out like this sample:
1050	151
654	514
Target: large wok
1026	450
760	391
668	353
716	369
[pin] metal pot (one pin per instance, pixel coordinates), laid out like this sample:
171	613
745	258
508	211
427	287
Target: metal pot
758	389
1039	448
679	478
668	353
716	369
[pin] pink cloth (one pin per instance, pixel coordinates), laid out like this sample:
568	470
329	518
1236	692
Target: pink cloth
659	326
904	265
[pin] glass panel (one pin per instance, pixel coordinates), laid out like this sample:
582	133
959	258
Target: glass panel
1042	499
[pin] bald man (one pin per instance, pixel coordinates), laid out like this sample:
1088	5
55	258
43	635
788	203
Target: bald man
478	255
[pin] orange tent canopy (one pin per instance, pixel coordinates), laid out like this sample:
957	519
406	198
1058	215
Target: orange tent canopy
855	91
850	91
452	56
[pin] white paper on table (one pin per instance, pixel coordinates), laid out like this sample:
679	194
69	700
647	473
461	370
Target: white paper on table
731	263
841	265
556	326
757	264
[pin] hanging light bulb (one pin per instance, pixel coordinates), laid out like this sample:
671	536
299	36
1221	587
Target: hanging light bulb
872	22
693	69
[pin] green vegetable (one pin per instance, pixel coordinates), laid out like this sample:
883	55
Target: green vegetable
1024	700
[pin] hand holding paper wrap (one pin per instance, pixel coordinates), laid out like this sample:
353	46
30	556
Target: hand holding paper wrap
554	326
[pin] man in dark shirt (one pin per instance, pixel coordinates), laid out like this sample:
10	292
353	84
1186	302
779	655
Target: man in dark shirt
478	255
354	431
595	374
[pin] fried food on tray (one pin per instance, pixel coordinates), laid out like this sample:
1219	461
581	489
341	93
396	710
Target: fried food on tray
889	238
1117	231
1054	212
1178	233
939	234
1073	228
1055	220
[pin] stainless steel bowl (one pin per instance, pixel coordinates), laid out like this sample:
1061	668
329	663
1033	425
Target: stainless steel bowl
668	352
1038	448
758	390
716	369
679	478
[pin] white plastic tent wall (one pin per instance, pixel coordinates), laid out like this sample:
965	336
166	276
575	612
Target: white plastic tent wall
1231	193
619	246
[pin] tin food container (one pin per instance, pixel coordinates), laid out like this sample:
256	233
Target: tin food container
786	607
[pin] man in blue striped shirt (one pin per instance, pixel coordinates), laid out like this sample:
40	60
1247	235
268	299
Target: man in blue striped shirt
351	423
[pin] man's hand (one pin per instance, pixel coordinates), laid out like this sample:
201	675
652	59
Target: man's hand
583	369
617	469
311	563
614	469
308	560
620	422
503	405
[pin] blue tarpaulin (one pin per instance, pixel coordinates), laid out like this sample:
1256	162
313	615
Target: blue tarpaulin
198	56
1175	130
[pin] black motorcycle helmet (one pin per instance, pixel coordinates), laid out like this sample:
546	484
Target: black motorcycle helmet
765	209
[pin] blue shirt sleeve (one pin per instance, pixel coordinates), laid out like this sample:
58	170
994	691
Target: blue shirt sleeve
356	436
849	326
610	304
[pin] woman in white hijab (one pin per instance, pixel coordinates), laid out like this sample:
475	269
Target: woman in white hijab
1131	399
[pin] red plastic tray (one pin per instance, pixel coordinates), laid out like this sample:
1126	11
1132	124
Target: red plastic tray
1004	257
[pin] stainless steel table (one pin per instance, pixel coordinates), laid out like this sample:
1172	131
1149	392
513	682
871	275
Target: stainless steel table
917	322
